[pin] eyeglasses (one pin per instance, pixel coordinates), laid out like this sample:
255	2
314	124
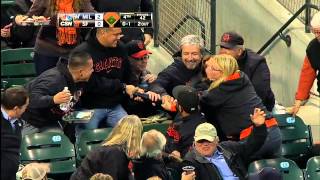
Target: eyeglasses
213	69
143	58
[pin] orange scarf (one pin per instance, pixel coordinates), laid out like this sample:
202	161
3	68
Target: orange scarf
66	35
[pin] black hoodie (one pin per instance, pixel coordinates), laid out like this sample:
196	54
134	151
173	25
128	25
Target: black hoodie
230	104
41	110
111	70
176	74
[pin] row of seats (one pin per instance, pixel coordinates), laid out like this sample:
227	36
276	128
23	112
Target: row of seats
289	169
17	67
57	150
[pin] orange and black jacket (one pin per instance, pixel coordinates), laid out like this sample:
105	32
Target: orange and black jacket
229	105
308	73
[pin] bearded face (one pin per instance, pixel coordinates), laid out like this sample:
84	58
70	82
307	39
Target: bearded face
191	55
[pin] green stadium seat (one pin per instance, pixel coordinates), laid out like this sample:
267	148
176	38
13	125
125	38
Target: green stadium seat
88	140
49	147
288	168
162	127
296	138
313	168
8	2
17	67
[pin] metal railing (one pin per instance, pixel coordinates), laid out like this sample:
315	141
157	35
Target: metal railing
294	5
308	7
178	18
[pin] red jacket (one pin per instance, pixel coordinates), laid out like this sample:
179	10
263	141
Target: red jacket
307	76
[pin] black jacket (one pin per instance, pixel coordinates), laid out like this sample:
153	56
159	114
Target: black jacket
41	110
127	6
229	105
145	168
181	132
256	68
110	160
237	156
111	70
313	54
10	148
176	74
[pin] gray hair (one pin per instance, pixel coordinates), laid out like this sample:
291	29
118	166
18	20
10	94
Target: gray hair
159	141
192	39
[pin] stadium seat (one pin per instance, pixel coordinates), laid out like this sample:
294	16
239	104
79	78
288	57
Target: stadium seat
49	147
296	138
313	168
88	140
17	67
162	127
288	168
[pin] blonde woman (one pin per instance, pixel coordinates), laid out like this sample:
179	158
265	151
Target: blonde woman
114	155
229	102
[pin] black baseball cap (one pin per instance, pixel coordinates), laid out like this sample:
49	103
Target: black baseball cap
137	49
187	97
230	40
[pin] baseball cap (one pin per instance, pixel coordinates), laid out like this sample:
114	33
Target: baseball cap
205	131
187	97
266	174
315	22
231	39
137	49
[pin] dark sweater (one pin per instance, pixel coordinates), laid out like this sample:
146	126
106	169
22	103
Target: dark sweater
180	134
10	148
145	168
229	105
126	6
256	68
313	53
111	70
110	160
42	111
176	74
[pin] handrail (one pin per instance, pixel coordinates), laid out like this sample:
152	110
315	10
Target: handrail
182	22
306	6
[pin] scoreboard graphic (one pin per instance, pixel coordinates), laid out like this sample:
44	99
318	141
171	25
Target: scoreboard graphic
108	19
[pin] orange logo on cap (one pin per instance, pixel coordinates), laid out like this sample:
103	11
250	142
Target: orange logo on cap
141	45
226	37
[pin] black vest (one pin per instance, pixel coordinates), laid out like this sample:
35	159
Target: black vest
313	53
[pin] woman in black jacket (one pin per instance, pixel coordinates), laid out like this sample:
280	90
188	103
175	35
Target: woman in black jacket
114	155
229	102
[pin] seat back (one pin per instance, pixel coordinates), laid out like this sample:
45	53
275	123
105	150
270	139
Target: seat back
17	67
88	140
288	168
313	168
49	147
162	127
296	137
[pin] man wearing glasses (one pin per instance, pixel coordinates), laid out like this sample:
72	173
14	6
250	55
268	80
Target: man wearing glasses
310	66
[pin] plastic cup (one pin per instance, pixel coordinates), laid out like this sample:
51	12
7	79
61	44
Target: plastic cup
188	169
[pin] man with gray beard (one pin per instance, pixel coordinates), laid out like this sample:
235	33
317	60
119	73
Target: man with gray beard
183	71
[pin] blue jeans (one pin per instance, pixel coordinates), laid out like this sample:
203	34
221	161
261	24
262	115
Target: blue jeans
108	116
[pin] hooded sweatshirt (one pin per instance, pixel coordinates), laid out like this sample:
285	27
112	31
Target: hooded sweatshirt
42	111
111	70
230	104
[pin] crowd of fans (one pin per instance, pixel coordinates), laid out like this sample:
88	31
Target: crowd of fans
220	104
